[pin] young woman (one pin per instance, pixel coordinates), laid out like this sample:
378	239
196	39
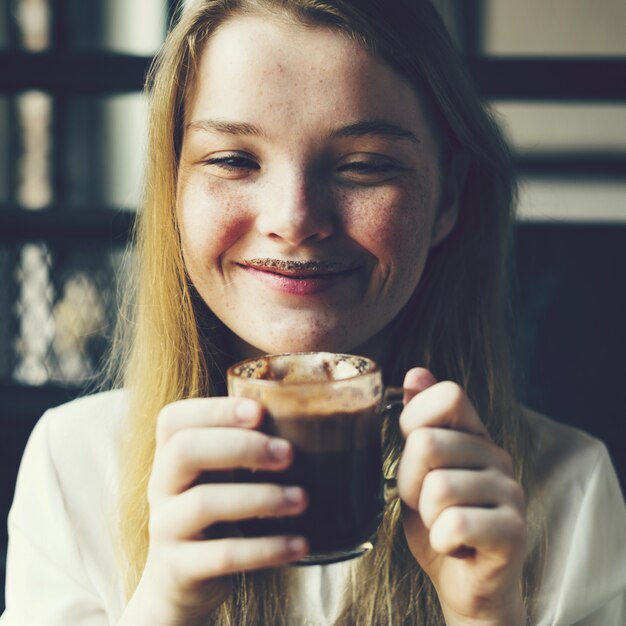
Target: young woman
321	176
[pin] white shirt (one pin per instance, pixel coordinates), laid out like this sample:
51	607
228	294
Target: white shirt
61	567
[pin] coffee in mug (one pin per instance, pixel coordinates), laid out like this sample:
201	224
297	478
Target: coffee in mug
329	406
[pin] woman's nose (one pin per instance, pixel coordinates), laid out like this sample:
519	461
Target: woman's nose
296	210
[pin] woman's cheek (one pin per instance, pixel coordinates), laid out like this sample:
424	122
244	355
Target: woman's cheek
212	219
388	222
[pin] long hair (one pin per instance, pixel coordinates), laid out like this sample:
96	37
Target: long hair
455	323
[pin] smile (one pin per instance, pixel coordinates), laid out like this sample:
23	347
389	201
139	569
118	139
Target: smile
298	277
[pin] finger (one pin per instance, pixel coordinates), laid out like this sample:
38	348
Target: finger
214	412
417	380
200	560
428	449
190	451
185	516
443	489
443	405
500	531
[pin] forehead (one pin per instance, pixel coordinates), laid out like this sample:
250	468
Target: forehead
255	39
253	64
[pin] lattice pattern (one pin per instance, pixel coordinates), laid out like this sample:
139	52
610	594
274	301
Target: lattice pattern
60	305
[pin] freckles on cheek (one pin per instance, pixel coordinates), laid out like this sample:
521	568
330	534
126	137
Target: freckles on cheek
390	225
401	249
210	224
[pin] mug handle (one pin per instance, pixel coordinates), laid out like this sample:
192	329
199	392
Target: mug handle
393	403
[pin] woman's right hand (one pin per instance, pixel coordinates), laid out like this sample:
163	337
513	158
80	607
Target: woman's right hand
187	575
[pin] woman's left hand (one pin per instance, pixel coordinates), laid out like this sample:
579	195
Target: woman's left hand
463	510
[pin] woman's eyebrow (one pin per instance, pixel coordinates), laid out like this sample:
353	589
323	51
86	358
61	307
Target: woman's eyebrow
376	127
226	128
357	129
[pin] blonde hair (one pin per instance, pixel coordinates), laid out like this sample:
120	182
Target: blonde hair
455	323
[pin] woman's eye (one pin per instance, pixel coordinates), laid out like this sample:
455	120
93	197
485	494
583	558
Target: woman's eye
368	171
233	164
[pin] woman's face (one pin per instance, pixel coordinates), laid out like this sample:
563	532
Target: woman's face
309	189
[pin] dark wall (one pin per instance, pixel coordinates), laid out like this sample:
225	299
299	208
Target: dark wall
571	331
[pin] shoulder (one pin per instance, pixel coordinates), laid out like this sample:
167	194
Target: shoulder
93	421
572	472
563	452
64	518
577	511
102	410
70	468
80	440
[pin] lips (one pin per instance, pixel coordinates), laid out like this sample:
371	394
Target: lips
298	277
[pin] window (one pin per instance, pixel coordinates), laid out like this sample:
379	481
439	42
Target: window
73	149
72	117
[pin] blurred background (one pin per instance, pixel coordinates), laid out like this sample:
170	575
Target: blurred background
72	136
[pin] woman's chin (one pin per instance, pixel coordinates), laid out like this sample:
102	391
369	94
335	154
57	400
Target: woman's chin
329	342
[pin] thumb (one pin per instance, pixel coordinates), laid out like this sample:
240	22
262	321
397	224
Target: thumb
416	380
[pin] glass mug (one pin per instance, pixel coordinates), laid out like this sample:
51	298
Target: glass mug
331	408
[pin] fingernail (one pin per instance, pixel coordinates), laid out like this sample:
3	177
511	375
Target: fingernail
293	495
296	545
246	411
279	449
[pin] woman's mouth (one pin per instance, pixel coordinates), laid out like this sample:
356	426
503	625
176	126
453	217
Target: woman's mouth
298	277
